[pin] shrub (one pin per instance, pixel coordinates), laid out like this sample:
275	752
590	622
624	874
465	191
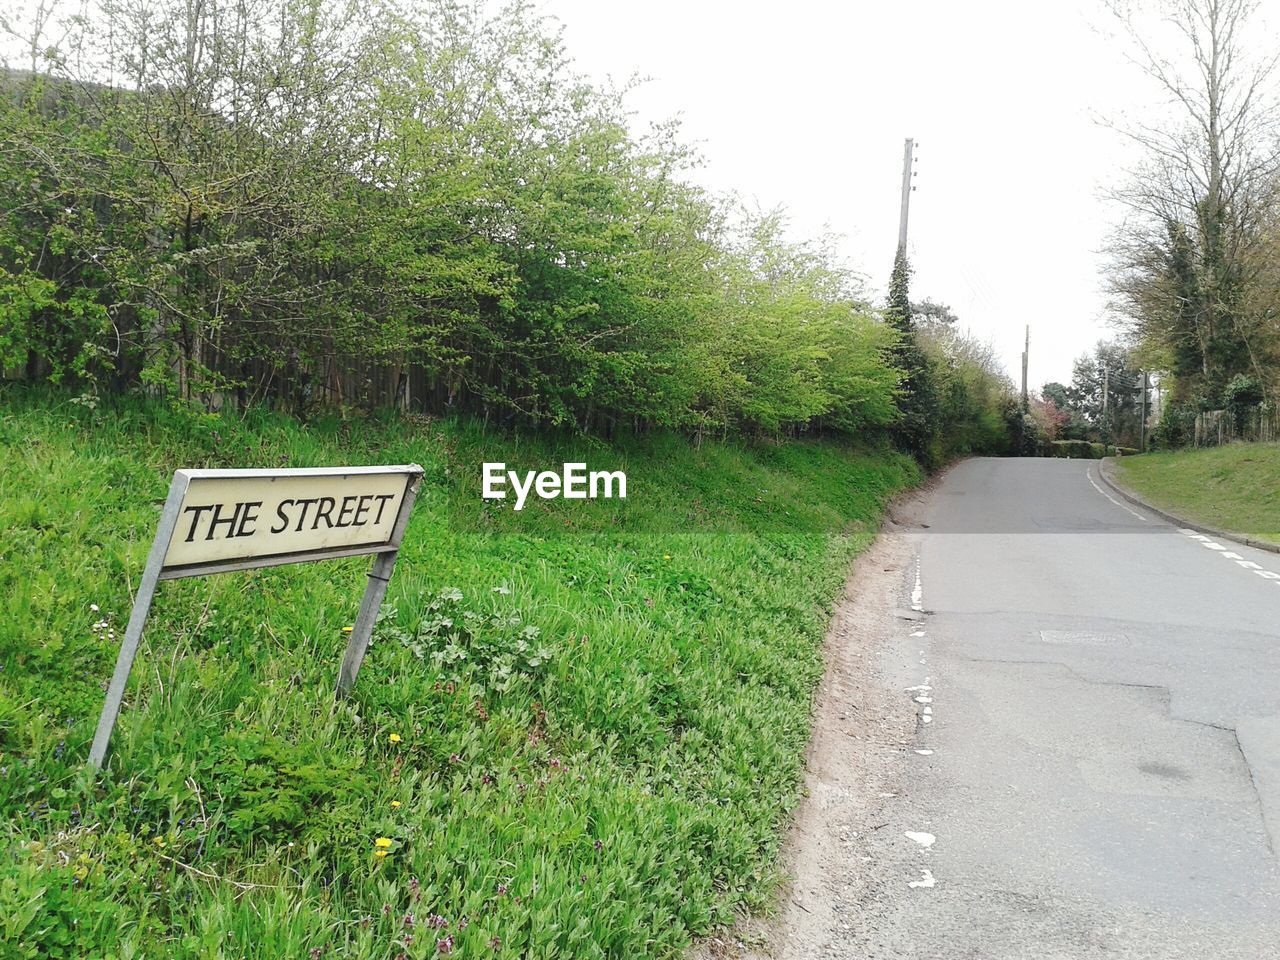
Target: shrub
1075	449
1176	427
1240	396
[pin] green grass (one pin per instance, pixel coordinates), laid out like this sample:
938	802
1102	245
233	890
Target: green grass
1234	488
607	784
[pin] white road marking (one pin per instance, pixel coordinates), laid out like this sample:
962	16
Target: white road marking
926	880
1089	474
1204	541
917	592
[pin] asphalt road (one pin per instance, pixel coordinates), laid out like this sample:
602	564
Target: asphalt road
1096	770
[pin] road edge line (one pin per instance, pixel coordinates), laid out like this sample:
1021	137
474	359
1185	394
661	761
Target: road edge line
1106	468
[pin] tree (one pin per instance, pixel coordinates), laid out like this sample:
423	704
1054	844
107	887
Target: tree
1186	262
1074	426
930	314
1118	418
365	202
916	427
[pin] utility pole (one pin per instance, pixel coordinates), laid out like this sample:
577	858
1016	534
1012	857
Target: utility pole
1026	407
1142	433
908	161
1106	389
1026	354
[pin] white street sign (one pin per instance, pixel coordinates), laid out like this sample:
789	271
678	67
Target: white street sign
215	521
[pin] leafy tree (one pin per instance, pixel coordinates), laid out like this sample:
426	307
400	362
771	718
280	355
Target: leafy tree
916	428
1110	365
1189	272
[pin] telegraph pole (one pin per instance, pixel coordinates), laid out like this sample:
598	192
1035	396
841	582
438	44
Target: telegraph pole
1026	407
1026	355
1106	389
908	161
1146	388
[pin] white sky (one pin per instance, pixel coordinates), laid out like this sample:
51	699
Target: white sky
807	103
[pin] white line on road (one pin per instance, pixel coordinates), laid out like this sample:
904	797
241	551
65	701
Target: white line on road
1089	473
1204	541
925	882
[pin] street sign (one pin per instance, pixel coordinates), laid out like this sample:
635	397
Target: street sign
216	521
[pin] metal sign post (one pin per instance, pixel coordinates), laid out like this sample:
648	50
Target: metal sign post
217	521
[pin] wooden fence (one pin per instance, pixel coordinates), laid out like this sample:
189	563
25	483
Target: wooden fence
1258	425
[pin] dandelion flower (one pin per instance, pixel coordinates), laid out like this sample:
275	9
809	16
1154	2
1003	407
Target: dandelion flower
395	804
381	853
382	843
666	556
348	629
394	738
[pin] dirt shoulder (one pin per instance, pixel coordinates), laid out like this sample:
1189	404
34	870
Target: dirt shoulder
863	729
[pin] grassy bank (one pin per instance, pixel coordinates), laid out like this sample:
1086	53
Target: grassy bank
1234	488
577	732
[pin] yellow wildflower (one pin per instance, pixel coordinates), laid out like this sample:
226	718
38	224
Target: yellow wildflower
381	853
382	842
395	804
394	738
666	556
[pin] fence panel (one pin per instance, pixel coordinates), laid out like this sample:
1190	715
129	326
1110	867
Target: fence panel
1258	425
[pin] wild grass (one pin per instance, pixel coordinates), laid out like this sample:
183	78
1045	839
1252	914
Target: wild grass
578	732
1235	488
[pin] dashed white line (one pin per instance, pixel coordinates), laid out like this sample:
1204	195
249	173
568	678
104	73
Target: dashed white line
1222	551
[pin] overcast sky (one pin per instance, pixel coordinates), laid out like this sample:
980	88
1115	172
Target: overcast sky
806	104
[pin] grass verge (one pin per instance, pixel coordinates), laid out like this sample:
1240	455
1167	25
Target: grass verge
574	736
1235	488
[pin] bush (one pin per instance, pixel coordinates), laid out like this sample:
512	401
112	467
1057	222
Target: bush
1240	396
1075	449
1176	427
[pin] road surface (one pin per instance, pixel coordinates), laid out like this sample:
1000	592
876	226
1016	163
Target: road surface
1094	766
